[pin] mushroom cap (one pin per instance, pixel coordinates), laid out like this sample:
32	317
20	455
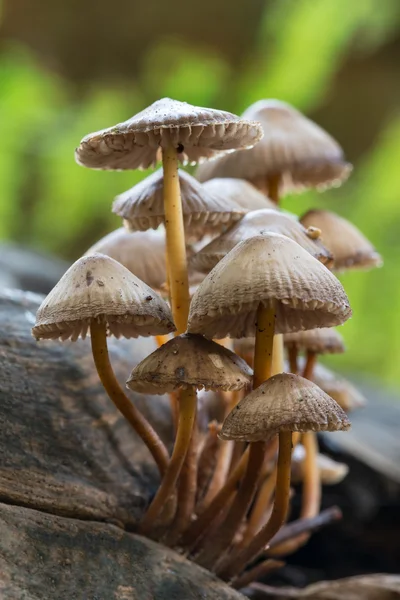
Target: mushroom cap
285	402
270	270
325	340
259	222
190	361
239	191
339	388
297	149
350	248
141	252
198	133
331	472
98	287
142	207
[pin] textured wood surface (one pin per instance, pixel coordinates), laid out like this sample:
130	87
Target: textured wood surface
45	557
64	448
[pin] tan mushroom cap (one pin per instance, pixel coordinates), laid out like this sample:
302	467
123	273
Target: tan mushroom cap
284	402
350	248
98	287
141	252
298	150
339	388
239	191
142	207
259	222
331	472
190	361
197	133
270	270
325	340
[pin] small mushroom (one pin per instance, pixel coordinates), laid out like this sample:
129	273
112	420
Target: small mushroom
99	295
258	222
170	131
350	248
339	388
331	472
283	404
142	207
294	154
239	191
188	362
325	340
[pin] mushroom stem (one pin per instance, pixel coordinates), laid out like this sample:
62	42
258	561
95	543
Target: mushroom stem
281	504
278	355
175	237
98	336
311	499
265	326
293	353
187	414
257	572
259	513
162	339
205	519
222	539
187	489
273	183
310	364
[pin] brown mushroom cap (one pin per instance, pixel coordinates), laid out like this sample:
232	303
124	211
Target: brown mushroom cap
350	248
339	388
142	207
98	287
268	269
331	472
190	361
198	133
141	252
284	402
259	222
325	340
239	191
298	150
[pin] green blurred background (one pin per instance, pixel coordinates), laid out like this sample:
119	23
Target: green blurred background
68	68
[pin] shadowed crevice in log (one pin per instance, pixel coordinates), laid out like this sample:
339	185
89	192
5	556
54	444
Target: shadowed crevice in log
45	556
64	448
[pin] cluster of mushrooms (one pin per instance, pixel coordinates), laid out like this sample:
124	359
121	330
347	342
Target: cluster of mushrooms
225	281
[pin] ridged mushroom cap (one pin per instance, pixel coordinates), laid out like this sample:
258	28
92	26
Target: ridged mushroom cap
350	248
141	252
197	133
259	222
142	207
298	150
240	191
325	340
331	472
339	388
284	402
270	270
98	287
190	361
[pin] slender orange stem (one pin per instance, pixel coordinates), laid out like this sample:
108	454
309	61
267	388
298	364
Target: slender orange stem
310	364
187	413
265	326
273	183
207	459
98	336
293	353
204	520
259	571
162	339
221	540
311	499
281	504
175	237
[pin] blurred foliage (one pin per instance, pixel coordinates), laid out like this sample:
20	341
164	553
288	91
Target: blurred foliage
49	203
